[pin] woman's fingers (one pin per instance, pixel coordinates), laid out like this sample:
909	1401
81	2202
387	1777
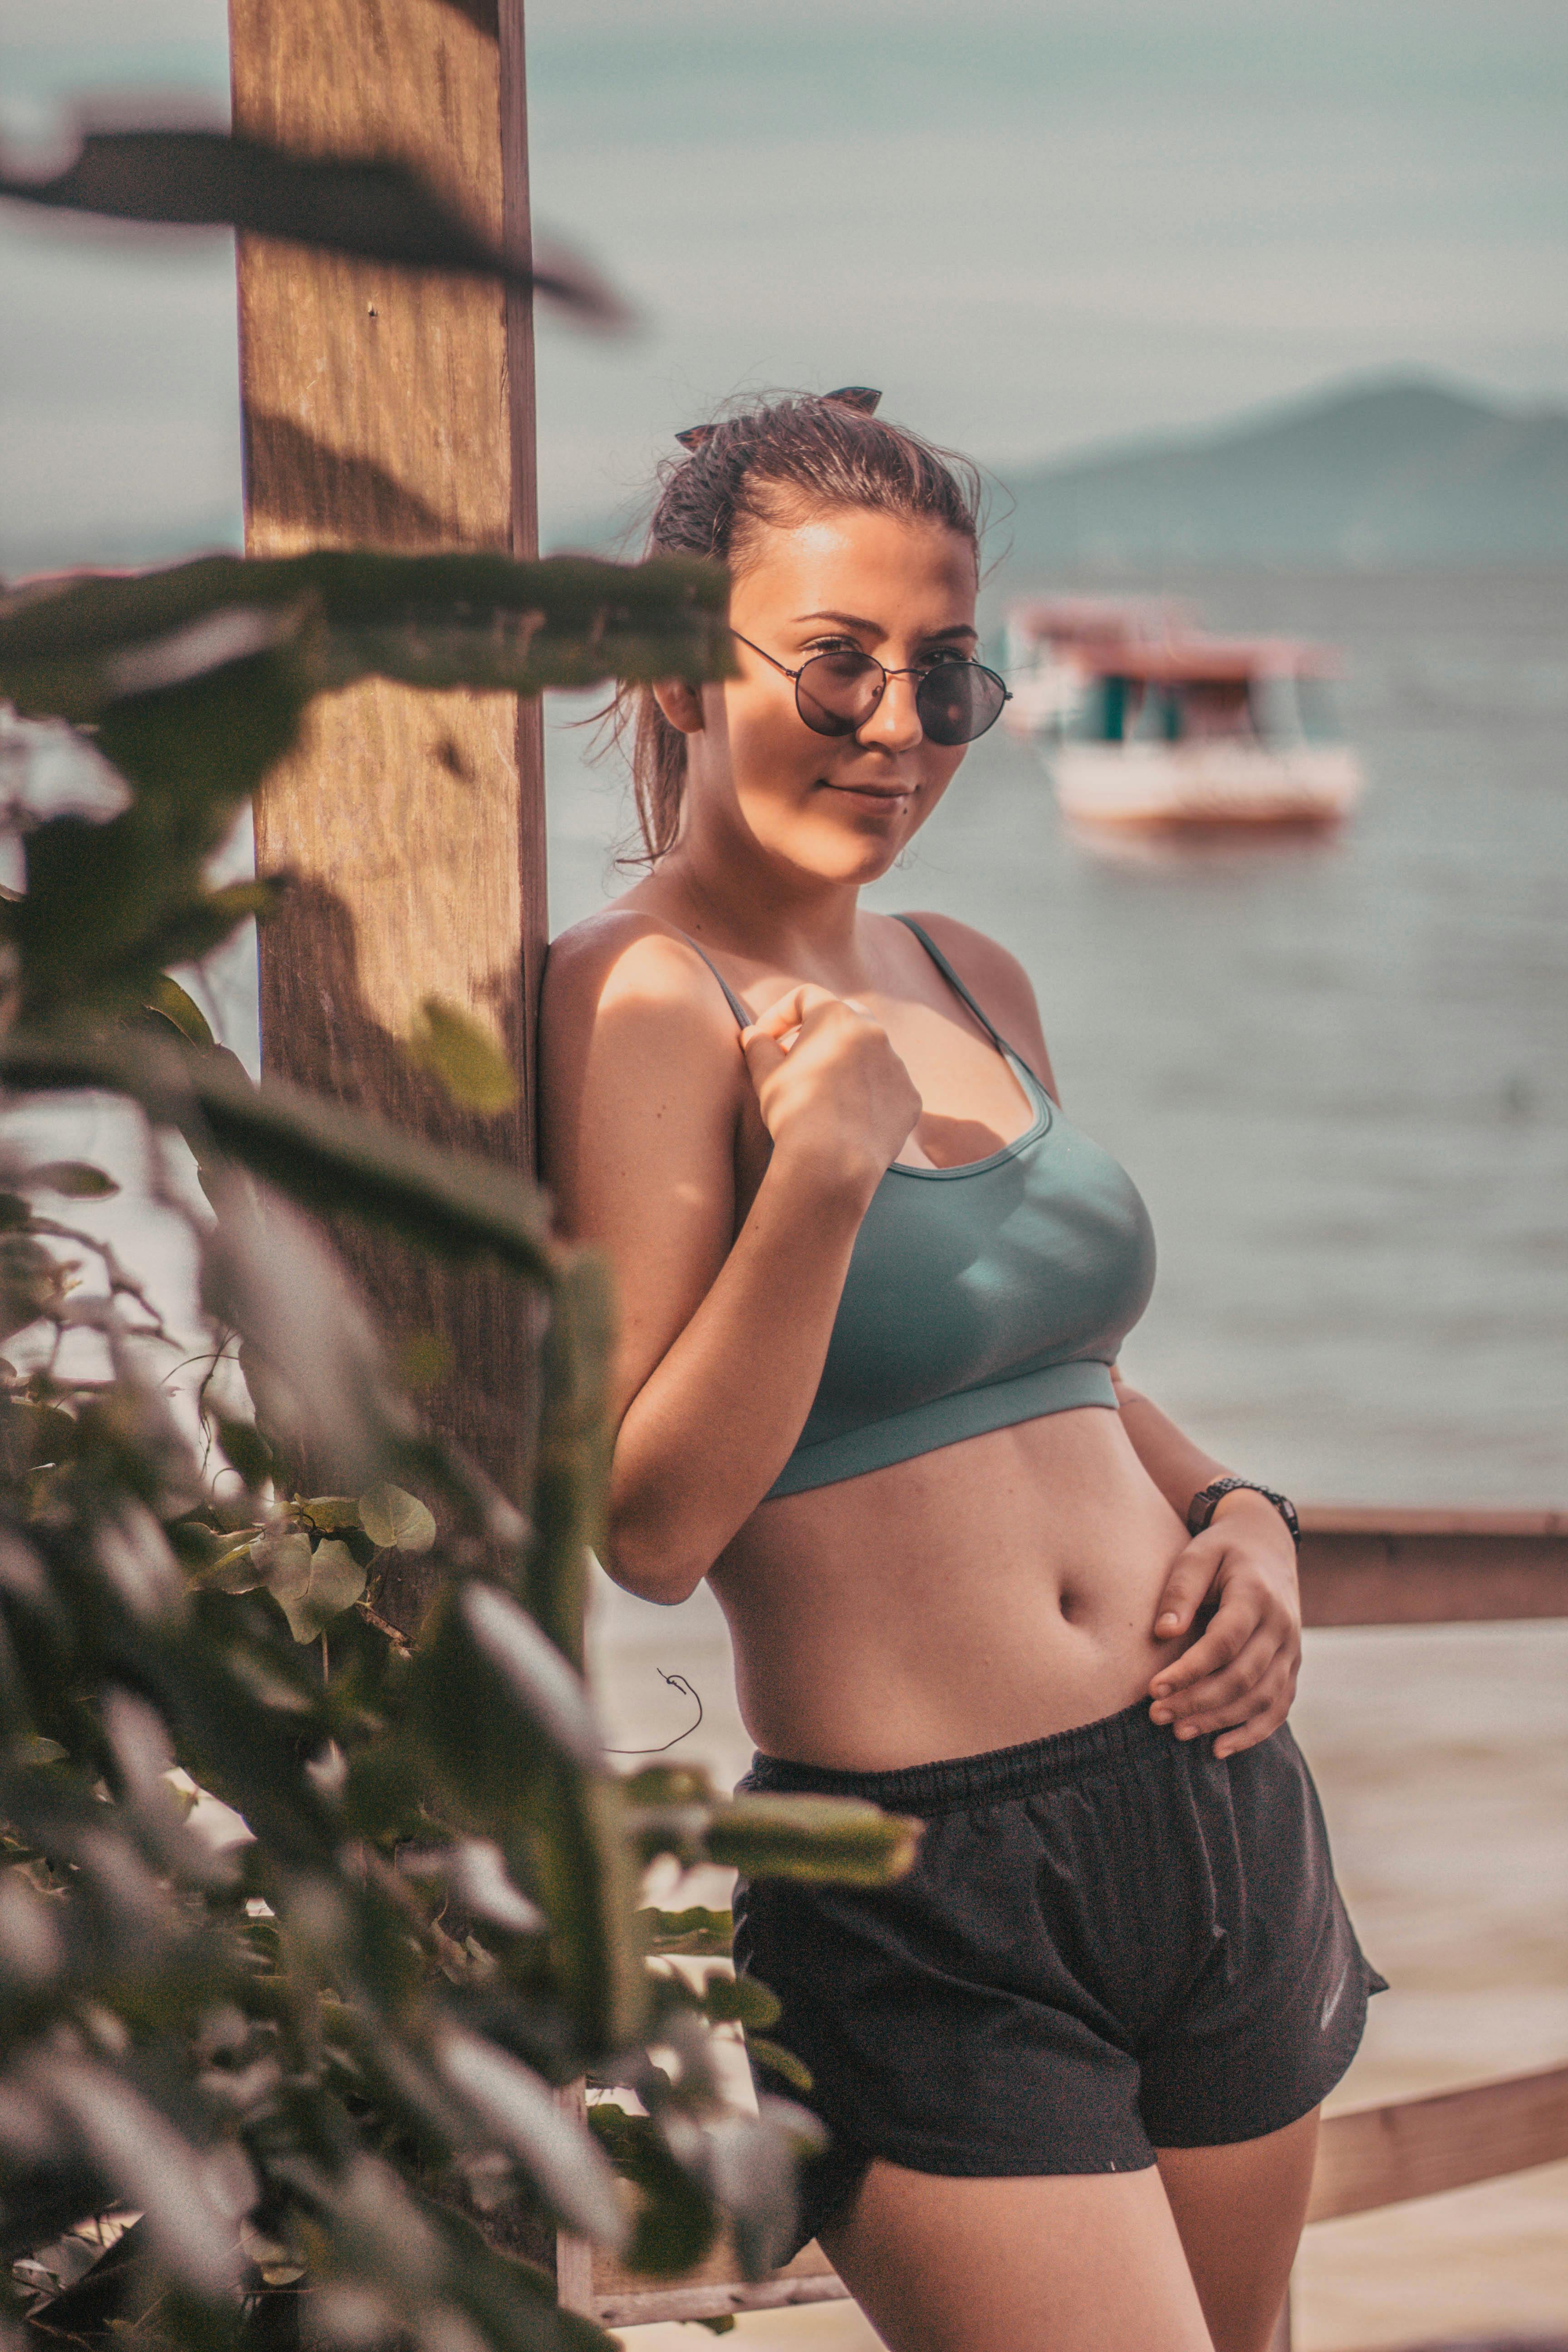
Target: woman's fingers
764	1053
1185	1588
789	1012
1250	1719
1256	1728
1230	1676
1230	1629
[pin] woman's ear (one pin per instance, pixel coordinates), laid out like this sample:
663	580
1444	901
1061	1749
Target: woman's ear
681	704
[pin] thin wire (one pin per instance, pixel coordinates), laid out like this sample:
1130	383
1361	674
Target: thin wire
679	1683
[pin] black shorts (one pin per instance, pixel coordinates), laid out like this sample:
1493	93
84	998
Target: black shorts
1108	1943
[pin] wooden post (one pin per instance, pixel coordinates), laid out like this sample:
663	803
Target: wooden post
392	409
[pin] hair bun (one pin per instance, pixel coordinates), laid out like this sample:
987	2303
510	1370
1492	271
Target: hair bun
858	396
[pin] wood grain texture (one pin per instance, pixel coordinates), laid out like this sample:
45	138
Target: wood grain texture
396	409
1384	1567
1418	2147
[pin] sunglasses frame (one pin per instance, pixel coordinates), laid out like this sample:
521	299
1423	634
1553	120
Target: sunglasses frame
920	670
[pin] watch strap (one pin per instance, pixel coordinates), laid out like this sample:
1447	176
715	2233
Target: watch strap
1201	1509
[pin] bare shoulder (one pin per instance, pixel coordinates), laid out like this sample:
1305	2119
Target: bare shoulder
624	954
996	979
638	1047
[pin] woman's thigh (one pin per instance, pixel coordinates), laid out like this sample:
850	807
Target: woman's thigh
1066	2263
1239	2210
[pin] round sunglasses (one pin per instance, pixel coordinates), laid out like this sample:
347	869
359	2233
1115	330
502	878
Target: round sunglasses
836	694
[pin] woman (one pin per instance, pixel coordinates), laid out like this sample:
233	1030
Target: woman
871	1290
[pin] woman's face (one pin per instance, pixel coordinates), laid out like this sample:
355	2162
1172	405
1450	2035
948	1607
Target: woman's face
839	808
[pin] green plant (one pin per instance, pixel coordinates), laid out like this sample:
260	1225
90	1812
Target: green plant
311	2079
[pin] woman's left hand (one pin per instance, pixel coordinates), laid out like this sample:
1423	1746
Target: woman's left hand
1239	1677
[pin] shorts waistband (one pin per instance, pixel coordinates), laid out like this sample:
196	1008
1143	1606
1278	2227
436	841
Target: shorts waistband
955	1780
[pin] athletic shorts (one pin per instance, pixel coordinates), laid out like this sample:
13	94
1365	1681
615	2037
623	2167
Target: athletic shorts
1109	1943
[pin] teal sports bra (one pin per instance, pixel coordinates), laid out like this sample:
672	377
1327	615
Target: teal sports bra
976	1297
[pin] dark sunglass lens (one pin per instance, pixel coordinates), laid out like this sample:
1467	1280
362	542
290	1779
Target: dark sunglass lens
959	700
836	693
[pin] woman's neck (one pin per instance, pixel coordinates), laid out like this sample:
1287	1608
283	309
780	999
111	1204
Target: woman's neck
748	905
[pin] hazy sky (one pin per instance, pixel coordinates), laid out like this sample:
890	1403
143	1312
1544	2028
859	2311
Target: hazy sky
1034	223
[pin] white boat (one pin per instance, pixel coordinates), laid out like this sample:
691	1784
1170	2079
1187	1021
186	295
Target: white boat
1163	727
1050	639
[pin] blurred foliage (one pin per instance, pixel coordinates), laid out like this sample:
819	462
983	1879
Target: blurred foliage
374	206
299	2072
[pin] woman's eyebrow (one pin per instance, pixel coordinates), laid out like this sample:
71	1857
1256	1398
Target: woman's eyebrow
874	628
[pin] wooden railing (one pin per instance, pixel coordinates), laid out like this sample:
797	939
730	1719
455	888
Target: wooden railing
1359	1567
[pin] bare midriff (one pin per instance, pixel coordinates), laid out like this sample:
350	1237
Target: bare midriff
988	1594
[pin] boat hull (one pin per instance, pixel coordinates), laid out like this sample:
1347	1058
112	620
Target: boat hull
1205	783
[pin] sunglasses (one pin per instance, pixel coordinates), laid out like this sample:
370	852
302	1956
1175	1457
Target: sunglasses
836	694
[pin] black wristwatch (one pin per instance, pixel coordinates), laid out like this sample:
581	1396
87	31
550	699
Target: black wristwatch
1201	1509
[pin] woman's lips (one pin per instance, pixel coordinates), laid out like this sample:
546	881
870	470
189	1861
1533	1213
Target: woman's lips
880	792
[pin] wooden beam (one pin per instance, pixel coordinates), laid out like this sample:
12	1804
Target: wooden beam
1382	1566
394	409
1373	2156
1368	2158
622	2299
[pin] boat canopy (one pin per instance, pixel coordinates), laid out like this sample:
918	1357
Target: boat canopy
1207	661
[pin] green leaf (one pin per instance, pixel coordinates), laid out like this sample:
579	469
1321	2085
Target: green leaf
326	1158
584	1877
32	1283
330	1514
30	1748
75	1179
696	1930
209	919
282	1557
107	905
739	2000
42	1433
396	1521
311	1588
676	2224
172	645
571	1456
776	2060
562	2159
490	1696
247	1450
184	1014
830	1839
376	207
465	1055
234	1570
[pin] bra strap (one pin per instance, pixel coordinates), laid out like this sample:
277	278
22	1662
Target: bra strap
744	1017
956	985
736	1007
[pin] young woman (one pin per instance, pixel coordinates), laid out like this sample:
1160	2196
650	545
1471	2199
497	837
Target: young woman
872	1287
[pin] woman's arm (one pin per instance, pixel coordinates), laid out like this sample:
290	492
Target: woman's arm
723	1333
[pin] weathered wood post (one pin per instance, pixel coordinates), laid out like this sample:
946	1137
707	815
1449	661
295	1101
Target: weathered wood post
396	410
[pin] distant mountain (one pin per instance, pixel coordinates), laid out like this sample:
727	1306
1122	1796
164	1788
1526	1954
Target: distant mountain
1406	470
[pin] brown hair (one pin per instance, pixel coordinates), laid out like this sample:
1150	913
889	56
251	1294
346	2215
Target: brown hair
755	465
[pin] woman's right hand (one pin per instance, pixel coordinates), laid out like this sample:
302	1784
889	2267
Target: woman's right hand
831	1090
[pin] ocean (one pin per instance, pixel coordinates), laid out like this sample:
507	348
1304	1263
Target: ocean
1339	1073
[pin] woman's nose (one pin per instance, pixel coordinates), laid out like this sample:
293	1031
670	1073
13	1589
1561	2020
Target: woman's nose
895	723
